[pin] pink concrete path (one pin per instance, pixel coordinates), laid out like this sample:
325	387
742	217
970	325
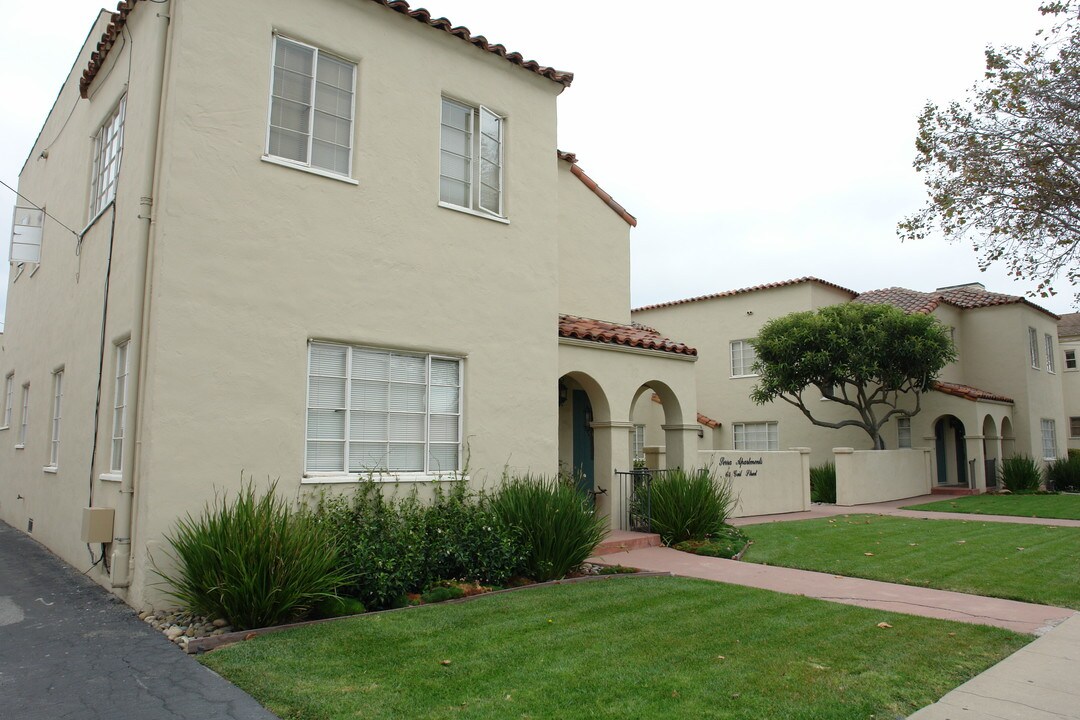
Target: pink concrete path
893	508
942	604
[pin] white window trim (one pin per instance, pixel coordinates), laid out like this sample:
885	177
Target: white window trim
475	195
1048	339
910	438
57	417
1074	417
296	164
120	380
9	400
24	419
1049	423
427	475
744	425
731	358
1033	348
1076	364
101	197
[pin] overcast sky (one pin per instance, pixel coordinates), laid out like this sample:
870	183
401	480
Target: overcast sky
755	142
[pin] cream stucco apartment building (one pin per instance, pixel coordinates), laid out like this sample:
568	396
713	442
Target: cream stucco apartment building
1002	396
311	243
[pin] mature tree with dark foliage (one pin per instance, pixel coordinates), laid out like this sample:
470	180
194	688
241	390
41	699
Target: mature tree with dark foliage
865	357
1002	168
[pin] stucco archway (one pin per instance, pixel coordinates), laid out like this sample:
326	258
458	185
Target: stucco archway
991	450
581	403
950	445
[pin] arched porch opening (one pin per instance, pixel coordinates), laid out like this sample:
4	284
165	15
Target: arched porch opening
657	416
991	451
1008	439
581	403
950	445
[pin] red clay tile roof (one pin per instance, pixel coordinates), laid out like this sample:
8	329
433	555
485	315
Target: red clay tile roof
638	336
967	392
600	193
1069	325
755	288
967	297
702	419
119	19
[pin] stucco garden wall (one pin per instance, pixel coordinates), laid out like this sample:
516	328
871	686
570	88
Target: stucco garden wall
766	483
869	476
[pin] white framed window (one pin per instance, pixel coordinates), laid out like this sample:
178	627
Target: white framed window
471	158
311	107
24	419
1049	353
375	410
756	436
119	418
1074	427
743	358
9	399
1070	360
903	432
108	149
639	442
1049	439
1033	346
57	403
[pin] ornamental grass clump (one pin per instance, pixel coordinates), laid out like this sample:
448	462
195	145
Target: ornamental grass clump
1063	474
823	483
252	560
1021	474
687	504
558	525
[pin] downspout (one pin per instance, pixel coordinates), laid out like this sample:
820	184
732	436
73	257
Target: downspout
122	560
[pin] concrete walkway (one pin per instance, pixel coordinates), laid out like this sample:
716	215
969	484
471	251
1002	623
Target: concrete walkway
68	649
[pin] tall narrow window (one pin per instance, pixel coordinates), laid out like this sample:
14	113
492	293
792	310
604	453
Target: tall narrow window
108	144
9	398
743	358
119	418
58	397
1033	347
471	166
1049	439
903	432
1049	353
24	419
639	442
376	410
311	107
1074	427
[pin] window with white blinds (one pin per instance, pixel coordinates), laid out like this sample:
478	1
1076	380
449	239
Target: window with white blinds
382	411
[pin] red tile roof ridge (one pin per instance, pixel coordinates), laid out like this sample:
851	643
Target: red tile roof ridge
701	417
967	392
604	331
741	291
119	19
964	297
600	192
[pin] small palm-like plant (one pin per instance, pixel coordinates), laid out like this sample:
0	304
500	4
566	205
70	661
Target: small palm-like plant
823	483
1020	474
688	504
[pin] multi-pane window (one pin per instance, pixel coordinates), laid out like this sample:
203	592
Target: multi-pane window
1070	359
1033	346
9	399
24	419
903	432
58	397
377	410
1074	427
471	162
742	358
756	436
1049	439
108	147
1049	352
119	418
311	107
639	442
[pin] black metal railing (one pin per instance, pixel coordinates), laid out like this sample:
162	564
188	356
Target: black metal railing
636	510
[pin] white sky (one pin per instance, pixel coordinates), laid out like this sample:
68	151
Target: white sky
755	142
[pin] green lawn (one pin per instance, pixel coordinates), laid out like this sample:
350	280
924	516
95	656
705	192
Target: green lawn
628	648
1066	507
1034	563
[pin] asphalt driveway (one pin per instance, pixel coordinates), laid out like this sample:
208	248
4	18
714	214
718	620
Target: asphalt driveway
69	649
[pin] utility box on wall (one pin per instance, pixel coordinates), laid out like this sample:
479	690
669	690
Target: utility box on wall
97	525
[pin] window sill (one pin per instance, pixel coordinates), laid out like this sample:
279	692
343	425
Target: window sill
111	477
308	169
474	213
741	377
20	446
51	469
5	427
347	478
97	217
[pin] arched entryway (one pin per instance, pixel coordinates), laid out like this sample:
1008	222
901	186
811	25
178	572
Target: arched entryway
581	403
950	443
991	448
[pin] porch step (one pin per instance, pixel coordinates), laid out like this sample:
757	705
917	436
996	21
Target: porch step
623	540
951	490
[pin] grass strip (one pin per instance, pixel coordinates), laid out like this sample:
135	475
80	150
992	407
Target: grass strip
1063	507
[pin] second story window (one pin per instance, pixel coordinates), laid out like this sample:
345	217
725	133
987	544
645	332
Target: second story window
1033	347
9	398
743	358
108	146
471	164
1070	359
1049	353
311	108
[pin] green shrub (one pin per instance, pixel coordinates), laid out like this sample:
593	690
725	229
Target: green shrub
1063	474
442	593
252	561
823	483
1020	474
558	525
338	606
728	543
687	504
